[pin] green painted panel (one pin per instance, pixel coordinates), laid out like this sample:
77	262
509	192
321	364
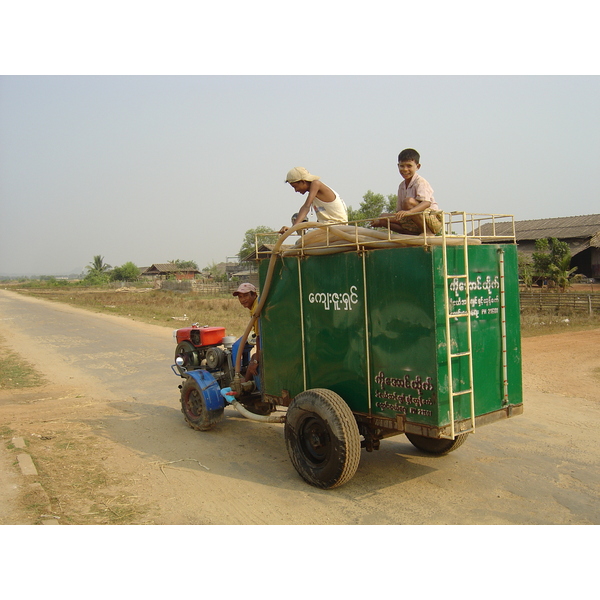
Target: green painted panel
402	334
486	331
280	330
332	305
334	320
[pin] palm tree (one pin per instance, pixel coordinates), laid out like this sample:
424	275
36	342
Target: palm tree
98	265
560	272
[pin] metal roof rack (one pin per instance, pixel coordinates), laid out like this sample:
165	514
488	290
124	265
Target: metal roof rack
458	228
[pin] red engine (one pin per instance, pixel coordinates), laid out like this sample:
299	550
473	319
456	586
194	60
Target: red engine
200	336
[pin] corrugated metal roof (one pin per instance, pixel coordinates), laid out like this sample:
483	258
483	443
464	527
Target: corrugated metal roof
583	226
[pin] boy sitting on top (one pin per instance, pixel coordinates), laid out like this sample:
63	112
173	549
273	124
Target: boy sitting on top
415	199
326	203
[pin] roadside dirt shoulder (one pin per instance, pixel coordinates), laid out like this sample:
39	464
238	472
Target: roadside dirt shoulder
82	476
567	364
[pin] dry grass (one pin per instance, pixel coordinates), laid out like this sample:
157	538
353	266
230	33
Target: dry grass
79	488
15	371
536	321
540	323
158	307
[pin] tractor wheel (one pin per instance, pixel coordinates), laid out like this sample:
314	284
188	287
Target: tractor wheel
439	447
188	352
193	407
322	438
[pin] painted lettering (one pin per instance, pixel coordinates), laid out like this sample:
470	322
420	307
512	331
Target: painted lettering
339	301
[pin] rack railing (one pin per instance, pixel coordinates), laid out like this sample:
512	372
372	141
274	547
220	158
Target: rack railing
458	228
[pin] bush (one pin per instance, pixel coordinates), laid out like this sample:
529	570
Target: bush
126	272
95	278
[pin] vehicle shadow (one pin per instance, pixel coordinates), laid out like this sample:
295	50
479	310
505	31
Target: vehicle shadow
246	450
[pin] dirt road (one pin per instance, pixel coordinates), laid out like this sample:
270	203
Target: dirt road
110	444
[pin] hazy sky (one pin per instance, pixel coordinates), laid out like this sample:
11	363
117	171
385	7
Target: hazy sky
154	168
95	159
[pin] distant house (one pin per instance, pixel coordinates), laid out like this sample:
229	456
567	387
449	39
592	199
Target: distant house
581	233
163	271
242	275
231	267
264	252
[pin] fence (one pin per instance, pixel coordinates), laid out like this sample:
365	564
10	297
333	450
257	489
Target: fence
215	288
560	302
191	285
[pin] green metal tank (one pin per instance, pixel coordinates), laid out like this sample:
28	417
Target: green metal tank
420	340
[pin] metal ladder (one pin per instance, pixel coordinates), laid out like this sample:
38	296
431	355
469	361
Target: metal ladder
452	318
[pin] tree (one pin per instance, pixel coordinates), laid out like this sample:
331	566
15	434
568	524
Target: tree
214	272
560	272
97	272
212	269
525	269
372	206
248	245
126	272
98	265
552	261
184	264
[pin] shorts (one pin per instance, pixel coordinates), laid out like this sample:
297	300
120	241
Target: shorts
433	219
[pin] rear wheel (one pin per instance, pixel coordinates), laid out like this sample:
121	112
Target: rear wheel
322	438
438	447
193	407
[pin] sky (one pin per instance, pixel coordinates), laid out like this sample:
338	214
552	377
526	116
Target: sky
156	168
149	167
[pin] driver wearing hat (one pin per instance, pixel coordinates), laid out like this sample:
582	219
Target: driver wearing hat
248	297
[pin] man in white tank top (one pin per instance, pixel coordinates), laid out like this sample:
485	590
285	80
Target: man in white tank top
328	206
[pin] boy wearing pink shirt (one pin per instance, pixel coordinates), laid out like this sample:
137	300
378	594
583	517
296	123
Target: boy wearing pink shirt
415	200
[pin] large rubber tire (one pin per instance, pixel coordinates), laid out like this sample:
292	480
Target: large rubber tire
194	408
188	352
439	447
322	438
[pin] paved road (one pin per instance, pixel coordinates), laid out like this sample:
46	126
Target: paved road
128	358
538	468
